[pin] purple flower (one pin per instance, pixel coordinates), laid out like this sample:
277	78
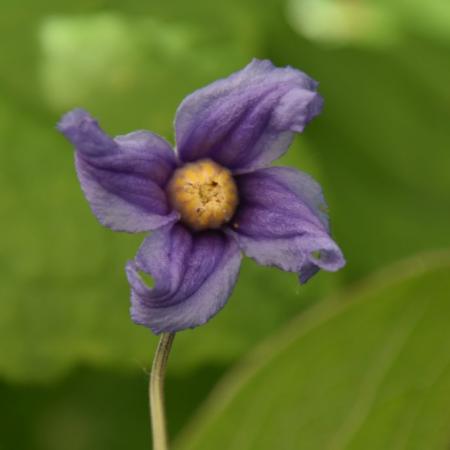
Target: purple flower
213	199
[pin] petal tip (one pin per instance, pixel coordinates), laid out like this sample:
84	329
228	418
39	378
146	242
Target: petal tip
72	120
84	132
261	65
330	260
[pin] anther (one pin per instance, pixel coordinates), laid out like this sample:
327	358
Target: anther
204	193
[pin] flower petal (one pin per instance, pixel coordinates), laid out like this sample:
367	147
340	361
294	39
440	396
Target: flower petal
247	120
194	274
282	222
122	178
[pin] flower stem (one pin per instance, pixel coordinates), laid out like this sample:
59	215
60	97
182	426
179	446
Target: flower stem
156	392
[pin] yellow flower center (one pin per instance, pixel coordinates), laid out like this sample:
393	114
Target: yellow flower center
204	193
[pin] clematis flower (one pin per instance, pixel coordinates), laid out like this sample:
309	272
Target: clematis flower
214	198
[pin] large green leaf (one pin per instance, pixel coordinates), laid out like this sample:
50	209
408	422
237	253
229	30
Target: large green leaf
367	371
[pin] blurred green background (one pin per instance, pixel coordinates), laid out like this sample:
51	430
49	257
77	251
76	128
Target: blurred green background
365	363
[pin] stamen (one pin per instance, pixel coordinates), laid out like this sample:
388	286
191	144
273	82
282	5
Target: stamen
204	193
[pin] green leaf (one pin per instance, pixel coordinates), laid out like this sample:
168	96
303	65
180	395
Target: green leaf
367	371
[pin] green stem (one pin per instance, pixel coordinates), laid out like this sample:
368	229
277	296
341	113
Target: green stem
156	392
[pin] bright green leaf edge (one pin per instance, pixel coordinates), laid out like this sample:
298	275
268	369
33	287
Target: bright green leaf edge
219	405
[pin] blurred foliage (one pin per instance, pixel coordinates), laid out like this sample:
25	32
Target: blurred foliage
357	373
79	411
380	149
370	22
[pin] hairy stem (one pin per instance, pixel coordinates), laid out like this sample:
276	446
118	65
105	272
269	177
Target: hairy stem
156	392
